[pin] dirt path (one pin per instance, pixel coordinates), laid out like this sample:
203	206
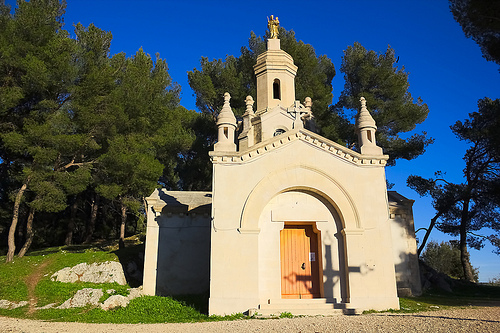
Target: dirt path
32	281
481	319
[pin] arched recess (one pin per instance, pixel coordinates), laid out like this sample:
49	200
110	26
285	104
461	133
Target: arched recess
304	178
276	89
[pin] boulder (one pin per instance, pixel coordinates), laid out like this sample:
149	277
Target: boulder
106	272
83	297
115	301
135	292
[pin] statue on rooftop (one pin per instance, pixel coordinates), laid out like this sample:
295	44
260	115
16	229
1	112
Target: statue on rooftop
273	24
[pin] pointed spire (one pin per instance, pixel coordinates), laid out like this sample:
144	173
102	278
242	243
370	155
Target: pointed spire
364	118
366	128
226	115
226	125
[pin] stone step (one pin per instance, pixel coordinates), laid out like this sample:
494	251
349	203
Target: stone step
315	306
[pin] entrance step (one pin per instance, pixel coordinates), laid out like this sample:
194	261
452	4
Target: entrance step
308	307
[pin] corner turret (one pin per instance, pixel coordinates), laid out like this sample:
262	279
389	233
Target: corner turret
226	124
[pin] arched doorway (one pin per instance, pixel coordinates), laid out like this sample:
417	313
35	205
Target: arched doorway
301	248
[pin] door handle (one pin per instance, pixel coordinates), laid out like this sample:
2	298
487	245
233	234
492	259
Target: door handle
303	266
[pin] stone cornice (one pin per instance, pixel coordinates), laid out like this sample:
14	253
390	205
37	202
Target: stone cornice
303	135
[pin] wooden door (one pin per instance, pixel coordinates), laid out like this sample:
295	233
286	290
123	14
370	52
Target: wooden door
299	262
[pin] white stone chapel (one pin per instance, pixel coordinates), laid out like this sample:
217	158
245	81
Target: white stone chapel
294	222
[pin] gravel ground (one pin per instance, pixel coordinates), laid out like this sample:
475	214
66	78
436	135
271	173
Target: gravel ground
478	319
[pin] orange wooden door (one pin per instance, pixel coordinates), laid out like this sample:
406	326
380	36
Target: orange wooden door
299	262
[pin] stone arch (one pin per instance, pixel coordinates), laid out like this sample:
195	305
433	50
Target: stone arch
302	178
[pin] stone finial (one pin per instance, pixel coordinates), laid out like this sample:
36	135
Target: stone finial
249	103
364	118
226	115
366	128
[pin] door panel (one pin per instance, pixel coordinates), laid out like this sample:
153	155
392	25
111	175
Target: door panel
299	262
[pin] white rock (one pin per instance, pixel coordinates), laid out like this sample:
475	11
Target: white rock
83	297
135	292
5	304
18	305
107	272
115	301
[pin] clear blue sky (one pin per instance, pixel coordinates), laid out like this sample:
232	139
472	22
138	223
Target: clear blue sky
446	70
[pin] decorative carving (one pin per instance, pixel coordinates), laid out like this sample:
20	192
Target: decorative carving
322	143
273	24
249	103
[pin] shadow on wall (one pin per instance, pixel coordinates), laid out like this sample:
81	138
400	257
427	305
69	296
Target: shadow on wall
331	276
183	262
131	258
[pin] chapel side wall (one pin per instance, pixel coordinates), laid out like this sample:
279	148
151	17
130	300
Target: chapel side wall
182	254
405	250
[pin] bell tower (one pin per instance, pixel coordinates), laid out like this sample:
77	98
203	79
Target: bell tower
275	72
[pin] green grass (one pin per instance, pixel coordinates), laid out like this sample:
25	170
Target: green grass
286	315
147	309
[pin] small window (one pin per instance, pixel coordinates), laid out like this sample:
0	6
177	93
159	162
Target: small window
276	89
226	132
279	131
369	134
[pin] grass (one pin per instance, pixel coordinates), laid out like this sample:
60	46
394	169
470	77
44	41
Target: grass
14	278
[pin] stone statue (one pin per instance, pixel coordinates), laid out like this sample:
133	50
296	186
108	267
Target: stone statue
273	24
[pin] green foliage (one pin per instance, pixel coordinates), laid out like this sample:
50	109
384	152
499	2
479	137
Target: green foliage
385	88
286	315
480	21
75	121
445	258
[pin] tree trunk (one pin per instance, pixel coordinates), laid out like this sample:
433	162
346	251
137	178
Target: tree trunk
29	234
464	254
122	225
13	225
428	232
71	224
93	217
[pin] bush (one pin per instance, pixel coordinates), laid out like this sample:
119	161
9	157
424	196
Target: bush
445	258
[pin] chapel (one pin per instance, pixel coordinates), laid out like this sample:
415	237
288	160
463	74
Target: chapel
294	221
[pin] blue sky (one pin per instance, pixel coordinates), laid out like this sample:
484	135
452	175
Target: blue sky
445	69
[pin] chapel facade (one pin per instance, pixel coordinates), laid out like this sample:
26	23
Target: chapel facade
294	222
